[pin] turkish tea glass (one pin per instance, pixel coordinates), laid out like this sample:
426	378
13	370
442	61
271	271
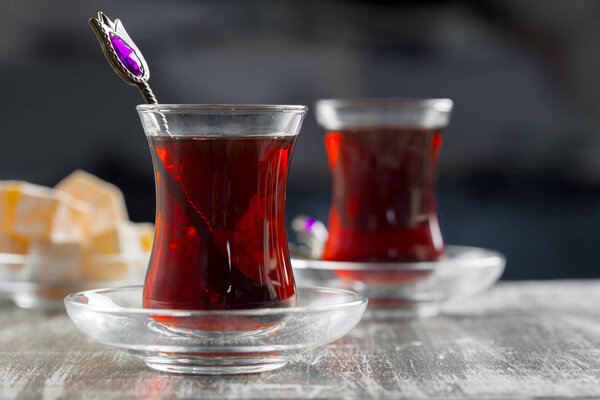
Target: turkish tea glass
220	242
382	157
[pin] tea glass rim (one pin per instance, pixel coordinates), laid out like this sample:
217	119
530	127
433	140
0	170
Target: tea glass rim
333	114
221	120
439	104
223	108
354	300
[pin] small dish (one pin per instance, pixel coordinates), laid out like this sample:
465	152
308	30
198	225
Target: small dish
38	283
408	289
217	341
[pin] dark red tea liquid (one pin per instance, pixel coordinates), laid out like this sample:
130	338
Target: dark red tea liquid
220	225
383	206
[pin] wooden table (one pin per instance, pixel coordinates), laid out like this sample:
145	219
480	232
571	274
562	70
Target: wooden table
521	340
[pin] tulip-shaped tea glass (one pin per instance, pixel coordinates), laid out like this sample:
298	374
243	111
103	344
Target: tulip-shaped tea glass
382	156
220	241
384	238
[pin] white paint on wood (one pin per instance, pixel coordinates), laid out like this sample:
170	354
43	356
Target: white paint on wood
521	340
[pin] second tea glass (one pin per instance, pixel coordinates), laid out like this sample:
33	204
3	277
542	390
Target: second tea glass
382	157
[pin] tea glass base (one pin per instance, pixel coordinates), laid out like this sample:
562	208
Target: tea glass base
198	365
182	333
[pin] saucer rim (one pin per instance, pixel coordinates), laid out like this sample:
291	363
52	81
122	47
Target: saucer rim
357	301
488	258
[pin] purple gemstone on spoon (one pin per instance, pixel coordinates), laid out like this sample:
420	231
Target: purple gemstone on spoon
126	55
309	223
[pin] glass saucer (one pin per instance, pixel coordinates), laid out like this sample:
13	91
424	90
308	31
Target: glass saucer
408	289
38	283
216	341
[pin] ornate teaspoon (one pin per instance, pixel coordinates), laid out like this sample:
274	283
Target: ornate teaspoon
122	54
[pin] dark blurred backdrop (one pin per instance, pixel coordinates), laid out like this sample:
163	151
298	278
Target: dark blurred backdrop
520	165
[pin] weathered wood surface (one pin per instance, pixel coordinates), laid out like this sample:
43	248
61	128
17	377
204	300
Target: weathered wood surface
521	340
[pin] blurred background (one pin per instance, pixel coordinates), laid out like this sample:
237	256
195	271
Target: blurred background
520	165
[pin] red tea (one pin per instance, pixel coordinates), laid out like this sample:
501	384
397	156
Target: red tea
220	225
383	206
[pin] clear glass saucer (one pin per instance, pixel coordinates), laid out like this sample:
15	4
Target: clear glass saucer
216	341
408	289
38	283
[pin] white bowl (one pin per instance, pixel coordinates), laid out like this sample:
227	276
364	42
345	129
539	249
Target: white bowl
35	282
